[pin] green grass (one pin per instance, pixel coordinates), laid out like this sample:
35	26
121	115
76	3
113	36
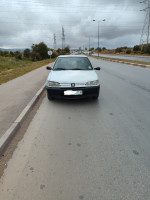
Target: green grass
11	68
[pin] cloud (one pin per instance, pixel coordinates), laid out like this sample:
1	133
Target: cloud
25	22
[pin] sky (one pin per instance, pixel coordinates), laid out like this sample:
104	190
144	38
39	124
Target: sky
27	22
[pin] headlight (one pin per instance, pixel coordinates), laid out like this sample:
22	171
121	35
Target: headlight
92	83
52	84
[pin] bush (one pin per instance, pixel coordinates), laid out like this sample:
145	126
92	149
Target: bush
98	49
1	53
64	51
67	50
104	49
146	49
118	50
27	53
18	55
54	55
6	53
128	51
136	48
35	56
11	53
91	49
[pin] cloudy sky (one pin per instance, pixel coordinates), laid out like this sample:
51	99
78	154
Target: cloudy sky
27	22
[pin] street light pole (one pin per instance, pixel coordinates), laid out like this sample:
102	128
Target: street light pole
98	32
98	38
89	45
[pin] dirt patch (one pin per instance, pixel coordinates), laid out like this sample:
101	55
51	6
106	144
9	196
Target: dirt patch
19	135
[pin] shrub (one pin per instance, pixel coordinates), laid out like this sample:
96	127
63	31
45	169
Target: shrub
27	53
18	55
128	51
146	49
136	48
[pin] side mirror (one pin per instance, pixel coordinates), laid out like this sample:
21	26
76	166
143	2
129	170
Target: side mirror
48	68
97	68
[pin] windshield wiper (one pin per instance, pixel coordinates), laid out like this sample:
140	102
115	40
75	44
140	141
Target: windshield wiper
59	68
76	69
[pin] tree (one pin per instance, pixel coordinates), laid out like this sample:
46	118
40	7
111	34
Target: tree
1	53
11	53
118	50
35	56
91	49
18	55
27	53
59	50
136	48
146	49
39	51
54	54
128	51
104	48
98	49
6	53
43	50
67	49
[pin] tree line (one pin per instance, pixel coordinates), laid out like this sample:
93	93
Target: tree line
36	53
137	49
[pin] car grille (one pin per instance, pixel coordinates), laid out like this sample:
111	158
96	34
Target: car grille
69	85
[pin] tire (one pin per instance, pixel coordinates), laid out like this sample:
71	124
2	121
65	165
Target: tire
50	98
96	97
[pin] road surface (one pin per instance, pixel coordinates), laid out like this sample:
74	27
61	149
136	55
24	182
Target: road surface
87	149
127	57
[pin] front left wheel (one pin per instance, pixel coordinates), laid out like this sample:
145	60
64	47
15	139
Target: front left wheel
50	98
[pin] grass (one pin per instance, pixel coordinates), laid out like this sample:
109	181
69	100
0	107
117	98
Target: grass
11	68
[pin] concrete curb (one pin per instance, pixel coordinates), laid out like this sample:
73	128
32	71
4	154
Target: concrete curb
6	138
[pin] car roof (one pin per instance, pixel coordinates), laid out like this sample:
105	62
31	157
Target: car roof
68	56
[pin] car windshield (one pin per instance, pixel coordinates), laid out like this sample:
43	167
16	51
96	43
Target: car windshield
72	63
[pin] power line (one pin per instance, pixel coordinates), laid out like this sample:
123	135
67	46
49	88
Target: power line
61	5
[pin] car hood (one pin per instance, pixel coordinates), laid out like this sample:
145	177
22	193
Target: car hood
73	76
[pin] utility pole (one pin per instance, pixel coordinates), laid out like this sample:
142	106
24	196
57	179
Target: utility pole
146	27
89	45
63	38
98	31
54	41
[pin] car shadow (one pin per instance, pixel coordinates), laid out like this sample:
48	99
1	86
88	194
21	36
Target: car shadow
79	102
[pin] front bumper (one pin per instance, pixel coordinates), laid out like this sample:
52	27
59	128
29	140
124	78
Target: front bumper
87	92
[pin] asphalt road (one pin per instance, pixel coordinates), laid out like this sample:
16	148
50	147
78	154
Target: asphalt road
15	95
126	57
87	149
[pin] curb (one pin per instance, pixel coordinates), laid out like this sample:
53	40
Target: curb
6	138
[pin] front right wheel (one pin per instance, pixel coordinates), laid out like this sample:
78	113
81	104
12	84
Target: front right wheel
96	97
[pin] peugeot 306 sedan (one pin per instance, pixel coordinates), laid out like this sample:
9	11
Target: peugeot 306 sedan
72	77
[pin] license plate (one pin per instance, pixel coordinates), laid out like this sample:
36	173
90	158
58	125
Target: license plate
71	92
